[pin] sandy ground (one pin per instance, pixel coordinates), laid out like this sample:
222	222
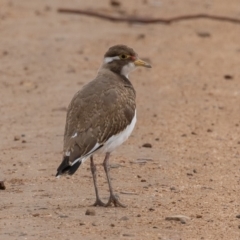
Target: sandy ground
188	110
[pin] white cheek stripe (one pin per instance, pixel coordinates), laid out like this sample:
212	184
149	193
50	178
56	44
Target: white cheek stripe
110	59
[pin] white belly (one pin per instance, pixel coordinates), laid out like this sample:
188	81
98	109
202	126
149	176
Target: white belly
118	139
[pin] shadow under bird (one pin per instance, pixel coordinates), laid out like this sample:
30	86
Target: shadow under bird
101	116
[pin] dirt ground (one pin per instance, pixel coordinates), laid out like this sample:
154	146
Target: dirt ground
188	110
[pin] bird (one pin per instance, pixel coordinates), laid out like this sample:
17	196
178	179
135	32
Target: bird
101	116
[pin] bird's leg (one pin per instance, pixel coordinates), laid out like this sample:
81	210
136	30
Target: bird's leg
112	199
98	202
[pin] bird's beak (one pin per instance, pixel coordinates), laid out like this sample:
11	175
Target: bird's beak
142	63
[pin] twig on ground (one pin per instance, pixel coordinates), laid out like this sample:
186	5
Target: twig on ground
145	20
129	193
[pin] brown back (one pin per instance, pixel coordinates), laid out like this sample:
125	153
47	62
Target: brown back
104	107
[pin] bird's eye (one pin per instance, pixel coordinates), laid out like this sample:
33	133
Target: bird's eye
123	56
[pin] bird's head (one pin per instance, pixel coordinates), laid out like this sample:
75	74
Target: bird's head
122	60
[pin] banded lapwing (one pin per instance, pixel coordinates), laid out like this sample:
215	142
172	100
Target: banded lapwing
101	116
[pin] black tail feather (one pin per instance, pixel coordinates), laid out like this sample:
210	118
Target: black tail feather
66	168
74	167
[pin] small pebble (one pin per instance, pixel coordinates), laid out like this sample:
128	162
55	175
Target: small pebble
5	53
16	138
238	216
47	8
147	145
181	218
36	215
115	3
139	161
128	235
204	34
115	165
124	218
141	36
2	185
90	212
228	77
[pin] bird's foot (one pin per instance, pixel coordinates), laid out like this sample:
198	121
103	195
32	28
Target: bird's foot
98	202
114	199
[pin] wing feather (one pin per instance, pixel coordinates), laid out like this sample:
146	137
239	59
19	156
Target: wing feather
103	108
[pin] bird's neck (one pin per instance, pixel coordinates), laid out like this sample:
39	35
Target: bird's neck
106	71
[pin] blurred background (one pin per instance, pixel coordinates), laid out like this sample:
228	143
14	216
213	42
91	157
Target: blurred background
188	114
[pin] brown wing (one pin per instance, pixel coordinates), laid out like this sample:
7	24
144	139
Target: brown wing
103	108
